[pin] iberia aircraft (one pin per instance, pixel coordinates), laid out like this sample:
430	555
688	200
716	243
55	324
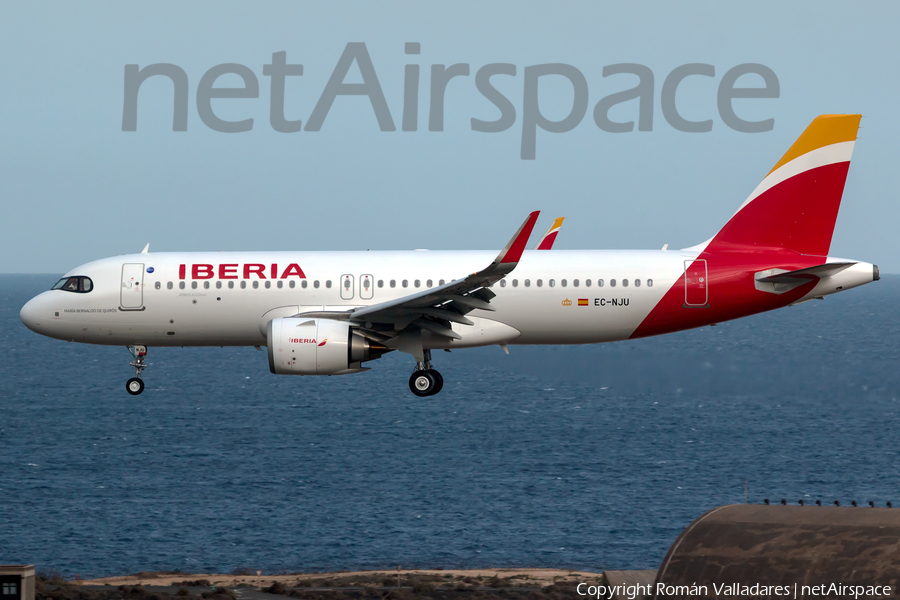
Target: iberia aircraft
329	313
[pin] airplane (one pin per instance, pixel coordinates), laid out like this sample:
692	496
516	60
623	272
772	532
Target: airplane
330	313
546	242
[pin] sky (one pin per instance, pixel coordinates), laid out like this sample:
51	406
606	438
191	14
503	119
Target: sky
75	187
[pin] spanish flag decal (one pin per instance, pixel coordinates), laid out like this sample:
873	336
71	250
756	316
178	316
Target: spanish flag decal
582	302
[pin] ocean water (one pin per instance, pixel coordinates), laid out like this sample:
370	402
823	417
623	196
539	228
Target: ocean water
591	457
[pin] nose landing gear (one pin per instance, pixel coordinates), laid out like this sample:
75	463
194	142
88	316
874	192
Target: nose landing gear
425	381
135	385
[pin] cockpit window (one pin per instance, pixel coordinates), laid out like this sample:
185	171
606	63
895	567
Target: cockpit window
80	285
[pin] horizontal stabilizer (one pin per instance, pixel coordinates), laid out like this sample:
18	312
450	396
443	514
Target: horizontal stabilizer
820	271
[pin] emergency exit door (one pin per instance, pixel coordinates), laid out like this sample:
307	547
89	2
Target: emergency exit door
132	295
347	287
696	286
366	287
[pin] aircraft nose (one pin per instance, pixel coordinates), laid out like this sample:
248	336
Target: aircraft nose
32	315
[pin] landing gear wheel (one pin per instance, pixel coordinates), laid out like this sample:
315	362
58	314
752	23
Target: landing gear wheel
134	386
422	383
438	382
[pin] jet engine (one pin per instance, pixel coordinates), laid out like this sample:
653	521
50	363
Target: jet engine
299	346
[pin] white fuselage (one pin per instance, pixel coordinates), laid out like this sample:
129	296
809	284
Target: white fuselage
210	299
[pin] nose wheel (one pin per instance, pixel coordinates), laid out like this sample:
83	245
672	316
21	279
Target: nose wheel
425	381
135	385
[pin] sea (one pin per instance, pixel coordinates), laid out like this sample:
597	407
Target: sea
584	457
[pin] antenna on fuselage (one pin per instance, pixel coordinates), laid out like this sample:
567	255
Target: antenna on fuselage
146	249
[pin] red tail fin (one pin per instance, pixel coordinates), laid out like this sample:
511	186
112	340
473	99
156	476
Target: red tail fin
796	205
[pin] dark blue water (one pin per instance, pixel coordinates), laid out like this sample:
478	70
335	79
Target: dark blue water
589	457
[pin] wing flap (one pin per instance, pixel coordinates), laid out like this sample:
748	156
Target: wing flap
471	302
436	328
445	315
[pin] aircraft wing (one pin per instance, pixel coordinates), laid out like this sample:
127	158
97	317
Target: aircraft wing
436	308
546	242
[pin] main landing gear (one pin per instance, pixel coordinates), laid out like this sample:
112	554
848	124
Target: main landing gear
425	381
135	385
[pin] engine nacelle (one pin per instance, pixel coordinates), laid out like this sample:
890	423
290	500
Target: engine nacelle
299	346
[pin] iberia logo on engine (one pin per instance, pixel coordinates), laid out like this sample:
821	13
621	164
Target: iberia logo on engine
307	341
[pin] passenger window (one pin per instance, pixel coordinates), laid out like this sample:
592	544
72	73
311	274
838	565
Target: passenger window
255	285
381	283
552	283
268	285
563	283
649	283
180	285
599	283
624	283
502	283
539	283
328	284
587	282
316	284
304	284
218	285
292	284
193	285
612	283
441	282
393	283
169	286
158	285
527	283
280	284
428	283
243	285
405	283
230	285
515	283
637	283
205	285
417	283
575	282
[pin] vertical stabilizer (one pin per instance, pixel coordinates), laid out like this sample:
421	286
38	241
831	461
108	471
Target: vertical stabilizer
795	207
